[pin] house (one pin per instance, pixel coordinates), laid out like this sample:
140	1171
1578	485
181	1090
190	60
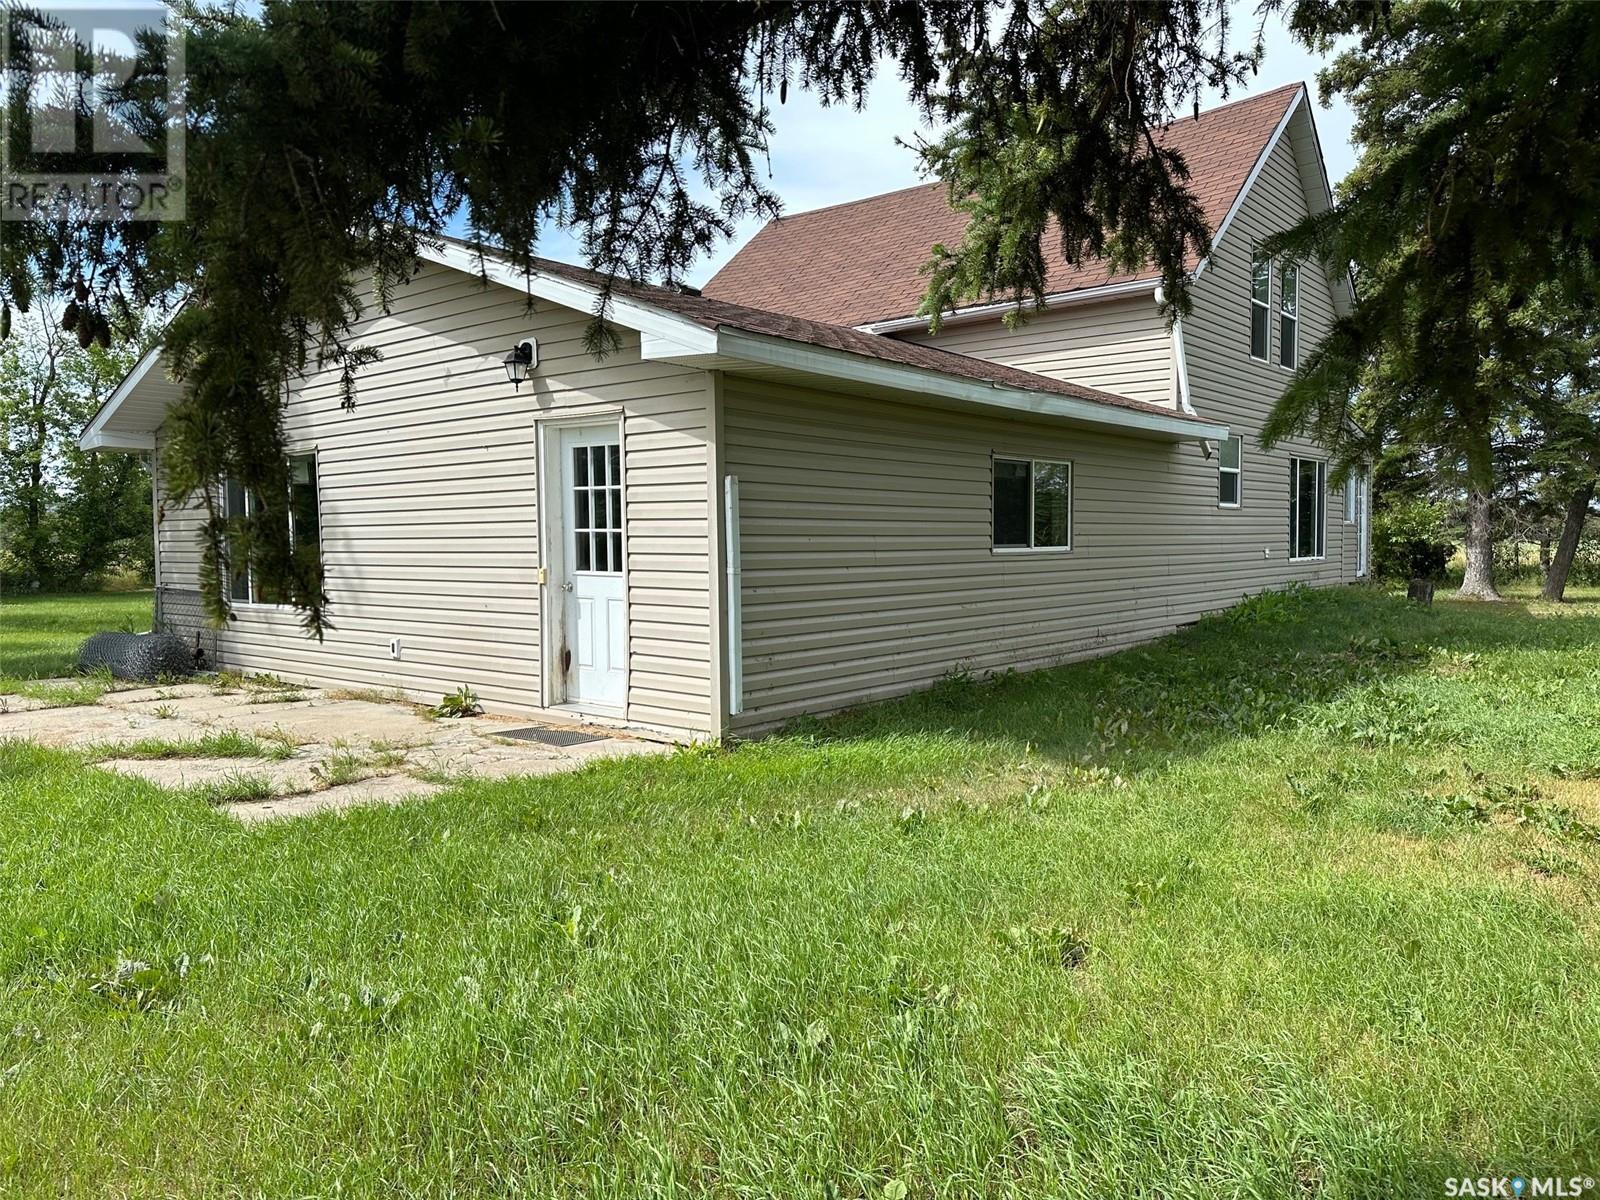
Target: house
784	496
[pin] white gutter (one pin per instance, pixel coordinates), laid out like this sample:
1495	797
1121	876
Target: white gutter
735	605
856	368
981	312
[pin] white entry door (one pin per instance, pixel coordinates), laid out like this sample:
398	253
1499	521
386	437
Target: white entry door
594	623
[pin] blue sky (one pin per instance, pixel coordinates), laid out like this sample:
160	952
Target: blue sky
822	156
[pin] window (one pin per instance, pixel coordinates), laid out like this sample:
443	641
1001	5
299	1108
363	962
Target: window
1260	306
1230	461
1352	488
1288	315
305	527
305	517
597	508
1308	489
236	504
1032	504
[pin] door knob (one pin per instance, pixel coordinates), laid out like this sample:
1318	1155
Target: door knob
567	587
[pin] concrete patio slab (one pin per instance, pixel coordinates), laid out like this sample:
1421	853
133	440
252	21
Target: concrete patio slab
285	776
378	751
380	789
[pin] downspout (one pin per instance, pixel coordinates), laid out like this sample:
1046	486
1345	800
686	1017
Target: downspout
1182	365
735	605
1184	405
156	615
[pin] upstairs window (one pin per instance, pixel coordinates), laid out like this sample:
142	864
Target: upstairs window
305	527
1308	491
1260	306
1288	316
1230	464
1032	504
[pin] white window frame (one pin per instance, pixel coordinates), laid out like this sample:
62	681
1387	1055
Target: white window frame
1288	271
1236	472
1320	540
1350	486
1257	262
1033	464
249	509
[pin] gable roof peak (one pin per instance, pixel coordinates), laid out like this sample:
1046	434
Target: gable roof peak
859	262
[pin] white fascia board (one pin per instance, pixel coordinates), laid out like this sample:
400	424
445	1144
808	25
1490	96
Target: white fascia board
629	313
1250	179
94	436
980	312
117	441
856	368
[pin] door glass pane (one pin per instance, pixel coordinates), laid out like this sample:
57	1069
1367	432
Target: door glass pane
1051	500
1011	502
597	507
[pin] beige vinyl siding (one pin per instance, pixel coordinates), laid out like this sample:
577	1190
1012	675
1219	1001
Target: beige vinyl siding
866	547
1227	384
867	562
1120	346
429	509
178	529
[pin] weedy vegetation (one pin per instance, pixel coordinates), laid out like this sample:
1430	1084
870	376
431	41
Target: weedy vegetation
1300	902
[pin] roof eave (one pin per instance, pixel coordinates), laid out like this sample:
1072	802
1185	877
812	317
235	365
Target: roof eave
841	366
96	435
983	312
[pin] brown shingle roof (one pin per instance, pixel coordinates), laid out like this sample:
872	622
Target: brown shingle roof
720	314
858	262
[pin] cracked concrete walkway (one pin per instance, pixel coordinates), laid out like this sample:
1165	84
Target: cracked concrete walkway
327	749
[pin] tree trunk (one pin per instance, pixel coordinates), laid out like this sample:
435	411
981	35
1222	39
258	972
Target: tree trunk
1555	580
1478	583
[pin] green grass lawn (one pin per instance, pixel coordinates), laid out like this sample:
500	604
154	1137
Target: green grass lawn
1298	903
40	635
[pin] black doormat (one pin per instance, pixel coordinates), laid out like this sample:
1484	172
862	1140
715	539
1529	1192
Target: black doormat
551	737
